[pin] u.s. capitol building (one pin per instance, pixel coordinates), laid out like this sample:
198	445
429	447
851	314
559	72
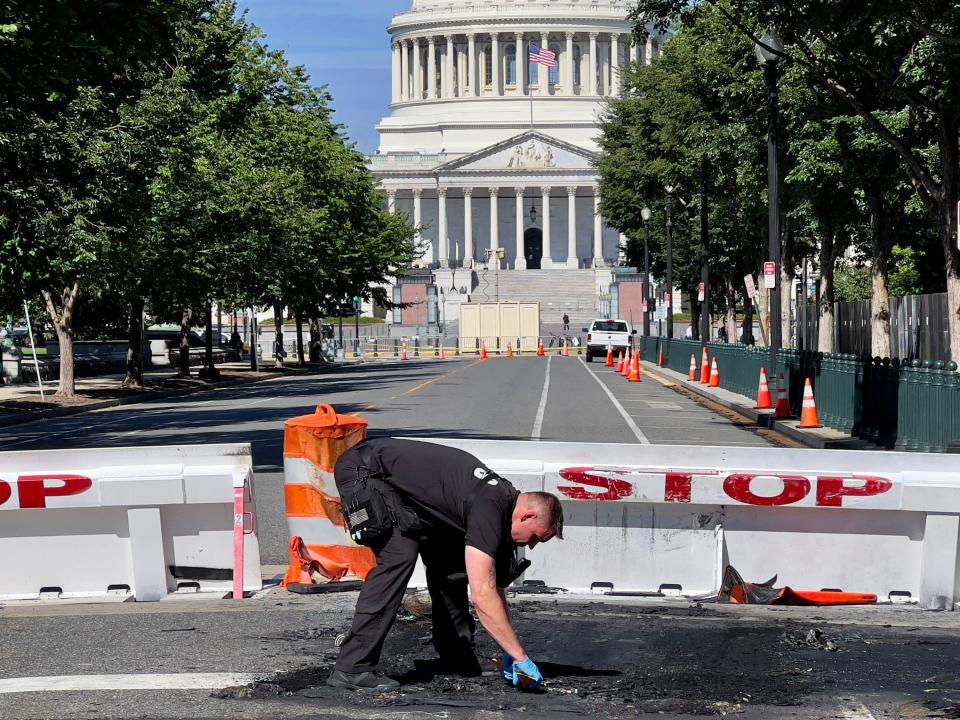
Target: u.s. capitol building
490	151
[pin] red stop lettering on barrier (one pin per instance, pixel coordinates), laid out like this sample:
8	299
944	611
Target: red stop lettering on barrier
832	490
615	489
5	492
33	490
795	487
677	487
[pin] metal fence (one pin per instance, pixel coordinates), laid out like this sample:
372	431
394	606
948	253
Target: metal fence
908	405
919	327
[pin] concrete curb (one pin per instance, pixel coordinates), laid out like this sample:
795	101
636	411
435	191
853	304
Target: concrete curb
765	419
139	398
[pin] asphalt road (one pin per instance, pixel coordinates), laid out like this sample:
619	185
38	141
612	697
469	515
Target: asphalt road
663	659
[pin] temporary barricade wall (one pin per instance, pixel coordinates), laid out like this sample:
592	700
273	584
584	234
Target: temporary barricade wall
496	324
649	517
138	519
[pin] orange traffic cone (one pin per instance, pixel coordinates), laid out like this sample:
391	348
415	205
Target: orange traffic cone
714	374
540	352
609	356
403	356
443	354
566	350
660	356
764	401
693	366
783	403
635	368
509	350
808	413
705	369
619	367
626	364
483	350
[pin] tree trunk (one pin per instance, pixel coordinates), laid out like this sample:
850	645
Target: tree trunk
186	320
316	339
746	336
209	371
950	182
63	324
881	244
825	337
254	341
786	285
278	351
731	313
134	376
298	318
696	308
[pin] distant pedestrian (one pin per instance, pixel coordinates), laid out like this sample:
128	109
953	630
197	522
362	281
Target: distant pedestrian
237	344
689	333
722	333
566	321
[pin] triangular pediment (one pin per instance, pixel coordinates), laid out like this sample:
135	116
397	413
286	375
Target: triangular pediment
528	151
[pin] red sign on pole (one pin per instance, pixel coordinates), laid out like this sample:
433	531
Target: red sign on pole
770	275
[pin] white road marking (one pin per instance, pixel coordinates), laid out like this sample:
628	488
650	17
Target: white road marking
856	710
616	403
172	681
542	408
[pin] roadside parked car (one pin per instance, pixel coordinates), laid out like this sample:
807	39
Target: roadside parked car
604	332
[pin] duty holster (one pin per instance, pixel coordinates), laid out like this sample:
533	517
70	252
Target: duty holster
372	508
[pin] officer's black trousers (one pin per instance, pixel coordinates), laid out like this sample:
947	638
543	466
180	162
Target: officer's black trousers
382	592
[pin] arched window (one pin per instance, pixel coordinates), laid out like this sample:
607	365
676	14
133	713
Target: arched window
577	57
554	75
487	65
511	65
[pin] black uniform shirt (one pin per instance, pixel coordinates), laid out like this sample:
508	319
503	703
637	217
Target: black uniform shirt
451	489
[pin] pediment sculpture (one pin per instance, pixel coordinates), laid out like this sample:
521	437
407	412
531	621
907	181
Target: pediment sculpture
531	155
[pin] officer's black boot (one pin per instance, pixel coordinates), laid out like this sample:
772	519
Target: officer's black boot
370	680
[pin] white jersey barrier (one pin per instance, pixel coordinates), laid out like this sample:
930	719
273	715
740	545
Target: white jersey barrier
139	520
669	518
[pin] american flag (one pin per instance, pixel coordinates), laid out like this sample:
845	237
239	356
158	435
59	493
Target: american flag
543	56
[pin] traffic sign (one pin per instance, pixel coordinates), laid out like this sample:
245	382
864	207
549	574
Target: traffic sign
751	288
770	275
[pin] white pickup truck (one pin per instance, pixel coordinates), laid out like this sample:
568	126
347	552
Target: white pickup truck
604	332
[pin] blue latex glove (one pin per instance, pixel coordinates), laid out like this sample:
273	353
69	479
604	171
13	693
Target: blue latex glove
528	668
507	663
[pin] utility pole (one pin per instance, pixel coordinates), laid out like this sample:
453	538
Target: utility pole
645	214
704	250
669	294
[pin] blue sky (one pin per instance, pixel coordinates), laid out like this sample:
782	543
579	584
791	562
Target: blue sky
343	44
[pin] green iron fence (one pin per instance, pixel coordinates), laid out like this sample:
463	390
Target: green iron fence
910	405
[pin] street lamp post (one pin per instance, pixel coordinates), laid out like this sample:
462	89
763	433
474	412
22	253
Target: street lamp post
669	295
356	325
704	251
645	214
769	51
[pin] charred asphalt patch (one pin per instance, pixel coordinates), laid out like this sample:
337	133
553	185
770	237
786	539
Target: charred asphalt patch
619	662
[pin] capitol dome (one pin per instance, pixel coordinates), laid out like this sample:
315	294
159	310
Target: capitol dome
494	108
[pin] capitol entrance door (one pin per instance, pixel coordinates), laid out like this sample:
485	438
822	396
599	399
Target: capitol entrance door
533	248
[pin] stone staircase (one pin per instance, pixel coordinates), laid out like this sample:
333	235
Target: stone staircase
573	292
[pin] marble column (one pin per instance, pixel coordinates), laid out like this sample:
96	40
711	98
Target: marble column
497	63
572	261
443	240
472	65
461	71
391	201
448	66
468	227
494	227
522	63
592	84
395	74
547	259
417	218
597	230
569	72
622	250
521	261
431	68
614	64
635	53
417	71
649	49
543	72
404	70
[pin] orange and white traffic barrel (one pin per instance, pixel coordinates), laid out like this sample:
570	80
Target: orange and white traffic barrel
312	444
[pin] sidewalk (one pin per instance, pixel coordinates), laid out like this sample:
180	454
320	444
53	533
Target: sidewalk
21	403
819	438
